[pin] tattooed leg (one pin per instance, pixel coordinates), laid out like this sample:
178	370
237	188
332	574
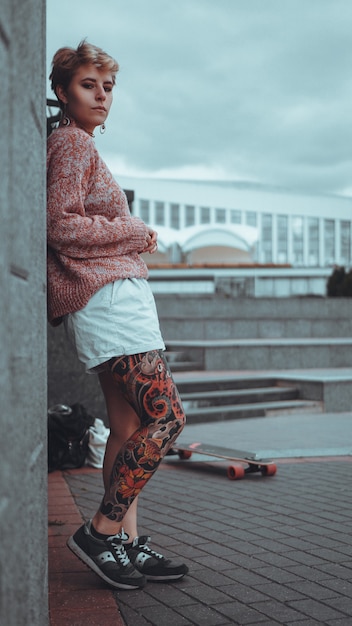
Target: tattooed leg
147	384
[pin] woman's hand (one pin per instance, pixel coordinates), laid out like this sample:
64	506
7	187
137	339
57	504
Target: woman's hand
151	244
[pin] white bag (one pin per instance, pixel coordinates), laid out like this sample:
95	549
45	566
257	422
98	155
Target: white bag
98	436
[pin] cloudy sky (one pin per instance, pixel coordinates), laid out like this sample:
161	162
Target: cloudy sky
255	90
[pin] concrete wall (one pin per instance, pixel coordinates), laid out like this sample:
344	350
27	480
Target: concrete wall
215	317
23	510
67	381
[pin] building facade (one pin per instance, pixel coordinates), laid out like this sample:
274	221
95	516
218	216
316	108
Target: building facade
236	223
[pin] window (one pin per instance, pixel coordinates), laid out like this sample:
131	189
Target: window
282	238
204	215
160	213
144	210
190	215
313	241
345	242
220	216
267	238
175	215
297	239
235	216
251	218
329	242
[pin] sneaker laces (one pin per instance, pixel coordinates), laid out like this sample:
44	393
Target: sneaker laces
118	549
145	547
123	536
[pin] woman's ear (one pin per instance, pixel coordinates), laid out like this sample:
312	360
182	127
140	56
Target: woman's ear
61	94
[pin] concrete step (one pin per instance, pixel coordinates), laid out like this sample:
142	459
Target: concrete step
238	396
179	361
222	381
186	366
266	354
198	415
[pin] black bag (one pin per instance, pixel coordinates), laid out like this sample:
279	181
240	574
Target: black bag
68	436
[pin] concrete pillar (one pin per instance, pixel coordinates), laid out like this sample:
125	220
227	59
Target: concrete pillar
23	491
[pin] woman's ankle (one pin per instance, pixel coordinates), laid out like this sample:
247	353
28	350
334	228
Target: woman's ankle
104	526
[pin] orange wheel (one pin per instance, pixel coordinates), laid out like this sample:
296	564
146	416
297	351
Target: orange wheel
184	454
234	472
268	470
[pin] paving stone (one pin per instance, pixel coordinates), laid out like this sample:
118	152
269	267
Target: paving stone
171	596
160	615
208	595
277	574
130	616
280	592
317	610
200	614
313	590
241	613
340	603
244	593
308	573
340	572
278	611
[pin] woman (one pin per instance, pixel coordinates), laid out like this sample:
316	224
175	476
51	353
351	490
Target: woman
97	286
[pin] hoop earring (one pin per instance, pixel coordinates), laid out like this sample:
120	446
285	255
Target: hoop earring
102	129
65	120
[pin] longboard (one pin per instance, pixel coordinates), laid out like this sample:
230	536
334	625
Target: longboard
241	461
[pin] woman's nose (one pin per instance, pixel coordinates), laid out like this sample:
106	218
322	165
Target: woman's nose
101	94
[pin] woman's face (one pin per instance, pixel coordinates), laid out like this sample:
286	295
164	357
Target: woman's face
88	97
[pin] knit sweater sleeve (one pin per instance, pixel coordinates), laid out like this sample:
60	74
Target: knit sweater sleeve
76	178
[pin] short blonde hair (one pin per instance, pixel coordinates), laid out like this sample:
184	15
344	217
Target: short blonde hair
66	62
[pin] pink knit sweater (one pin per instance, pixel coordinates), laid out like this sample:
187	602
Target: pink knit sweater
92	237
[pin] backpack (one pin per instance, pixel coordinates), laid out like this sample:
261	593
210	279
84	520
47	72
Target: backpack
68	436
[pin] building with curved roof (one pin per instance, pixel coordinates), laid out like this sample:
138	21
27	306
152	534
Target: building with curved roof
216	222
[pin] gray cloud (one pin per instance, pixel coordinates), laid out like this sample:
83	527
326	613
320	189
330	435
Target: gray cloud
256	89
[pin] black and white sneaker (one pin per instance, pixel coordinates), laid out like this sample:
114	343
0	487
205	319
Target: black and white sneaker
106	557
153	565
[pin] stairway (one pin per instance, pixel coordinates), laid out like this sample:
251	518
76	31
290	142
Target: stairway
301	347
217	399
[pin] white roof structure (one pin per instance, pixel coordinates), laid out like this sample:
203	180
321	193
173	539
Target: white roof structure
207	235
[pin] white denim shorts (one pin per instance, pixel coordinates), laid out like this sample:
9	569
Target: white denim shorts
119	319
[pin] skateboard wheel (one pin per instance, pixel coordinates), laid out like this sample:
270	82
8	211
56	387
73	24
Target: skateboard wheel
184	454
234	472
268	470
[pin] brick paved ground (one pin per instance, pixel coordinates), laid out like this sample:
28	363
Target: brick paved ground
261	551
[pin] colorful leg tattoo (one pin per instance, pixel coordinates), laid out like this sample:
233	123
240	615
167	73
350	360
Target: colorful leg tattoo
147	384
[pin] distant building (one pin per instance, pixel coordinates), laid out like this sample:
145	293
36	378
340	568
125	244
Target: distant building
240	223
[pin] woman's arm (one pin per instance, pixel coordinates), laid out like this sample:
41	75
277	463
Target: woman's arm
71	168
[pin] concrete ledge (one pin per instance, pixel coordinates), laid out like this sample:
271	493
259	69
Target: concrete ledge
335	394
264	354
216	317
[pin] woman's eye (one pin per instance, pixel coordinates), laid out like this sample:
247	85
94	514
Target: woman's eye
87	86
